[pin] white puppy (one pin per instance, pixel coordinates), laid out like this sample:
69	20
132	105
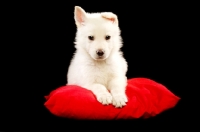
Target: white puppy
98	63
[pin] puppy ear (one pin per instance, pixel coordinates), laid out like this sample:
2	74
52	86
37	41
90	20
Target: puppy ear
110	16
79	16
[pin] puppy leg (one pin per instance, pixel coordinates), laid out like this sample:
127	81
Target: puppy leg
117	88
101	93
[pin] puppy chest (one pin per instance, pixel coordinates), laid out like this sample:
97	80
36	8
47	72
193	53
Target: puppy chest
102	74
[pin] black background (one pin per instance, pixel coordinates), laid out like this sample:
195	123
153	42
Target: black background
154	47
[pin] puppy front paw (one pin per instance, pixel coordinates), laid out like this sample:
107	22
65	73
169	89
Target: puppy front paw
119	100
105	98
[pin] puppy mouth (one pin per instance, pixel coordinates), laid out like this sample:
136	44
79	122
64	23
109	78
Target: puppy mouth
100	58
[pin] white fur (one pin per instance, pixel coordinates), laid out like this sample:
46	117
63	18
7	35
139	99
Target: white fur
105	76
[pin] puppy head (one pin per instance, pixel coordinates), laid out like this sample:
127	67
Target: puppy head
97	33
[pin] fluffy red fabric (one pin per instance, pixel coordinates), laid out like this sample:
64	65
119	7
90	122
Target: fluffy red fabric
146	98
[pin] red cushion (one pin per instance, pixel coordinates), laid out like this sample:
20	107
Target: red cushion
146	98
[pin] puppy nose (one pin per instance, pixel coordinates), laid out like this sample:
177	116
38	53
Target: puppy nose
100	52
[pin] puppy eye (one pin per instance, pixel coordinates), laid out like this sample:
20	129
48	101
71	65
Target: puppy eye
107	37
91	37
